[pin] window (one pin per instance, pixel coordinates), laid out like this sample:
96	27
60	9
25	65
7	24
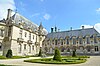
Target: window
33	47
80	41
0	46
20	47
20	34
33	36
9	31
96	48
29	48
55	42
88	40
61	42
67	42
1	33
95	39
25	34
74	41
24	46
30	36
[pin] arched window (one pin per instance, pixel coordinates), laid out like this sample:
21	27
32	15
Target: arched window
80	41
74	41
95	39
67	41
55	42
61	41
88	40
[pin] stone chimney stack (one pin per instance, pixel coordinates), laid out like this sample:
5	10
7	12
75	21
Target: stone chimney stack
52	30
71	28
55	29
82	27
9	13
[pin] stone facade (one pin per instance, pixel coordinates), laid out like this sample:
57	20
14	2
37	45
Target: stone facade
20	35
84	41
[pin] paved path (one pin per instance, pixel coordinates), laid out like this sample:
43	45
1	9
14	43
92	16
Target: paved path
92	61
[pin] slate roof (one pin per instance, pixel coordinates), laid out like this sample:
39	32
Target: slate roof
71	33
27	23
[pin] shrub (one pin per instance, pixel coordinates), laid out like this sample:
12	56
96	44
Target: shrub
40	52
57	55
74	54
9	54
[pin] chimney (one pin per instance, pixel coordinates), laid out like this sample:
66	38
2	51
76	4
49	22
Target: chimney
71	28
52	30
82	27
9	13
55	29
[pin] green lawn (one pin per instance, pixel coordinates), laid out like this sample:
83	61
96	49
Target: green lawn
65	60
14	57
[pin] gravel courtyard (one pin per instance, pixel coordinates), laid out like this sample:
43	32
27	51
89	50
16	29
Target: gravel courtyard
92	61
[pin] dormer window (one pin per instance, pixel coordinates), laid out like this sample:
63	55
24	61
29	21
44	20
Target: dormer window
88	40
95	39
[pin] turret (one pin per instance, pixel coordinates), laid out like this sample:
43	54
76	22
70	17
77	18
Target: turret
9	13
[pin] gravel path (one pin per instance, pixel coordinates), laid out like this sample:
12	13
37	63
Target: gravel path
92	61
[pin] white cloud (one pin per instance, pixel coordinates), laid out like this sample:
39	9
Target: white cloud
98	10
96	26
4	5
36	14
46	16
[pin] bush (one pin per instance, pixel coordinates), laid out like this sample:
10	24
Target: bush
57	55
9	54
40	52
74	54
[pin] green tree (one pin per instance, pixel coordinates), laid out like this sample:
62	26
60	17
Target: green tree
57	55
9	54
74	53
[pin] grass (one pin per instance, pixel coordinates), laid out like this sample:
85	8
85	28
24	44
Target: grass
14	57
65	60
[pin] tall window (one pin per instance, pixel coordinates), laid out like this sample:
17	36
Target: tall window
74	41
0	46
24	46
20	34
67	42
55	42
1	33
29	48
25	34
61	41
80	41
95	39
33	36
88	40
29	36
20	48
33	47
96	48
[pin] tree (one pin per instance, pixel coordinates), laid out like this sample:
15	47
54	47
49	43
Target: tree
40	52
74	53
57	55
9	54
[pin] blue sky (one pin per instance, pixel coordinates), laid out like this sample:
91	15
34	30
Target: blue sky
62	13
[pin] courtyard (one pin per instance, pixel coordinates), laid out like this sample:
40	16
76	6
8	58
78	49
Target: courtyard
92	61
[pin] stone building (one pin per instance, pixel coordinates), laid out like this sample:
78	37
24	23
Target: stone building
84	41
20	35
